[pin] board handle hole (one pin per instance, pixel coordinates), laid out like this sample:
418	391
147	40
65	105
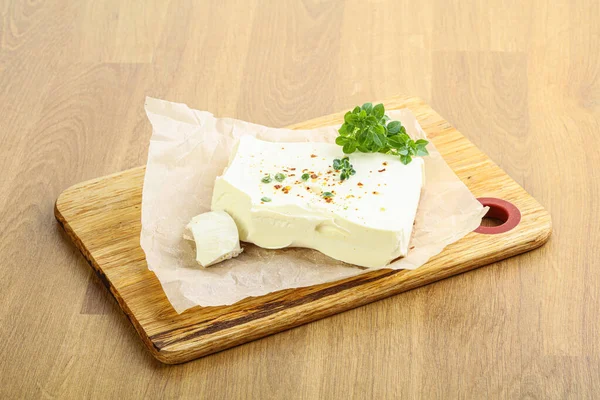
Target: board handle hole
501	217
489	221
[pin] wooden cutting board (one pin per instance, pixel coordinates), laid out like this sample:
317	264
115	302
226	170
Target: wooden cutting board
102	217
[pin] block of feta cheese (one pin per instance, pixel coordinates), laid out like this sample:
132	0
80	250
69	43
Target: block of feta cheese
367	220
216	237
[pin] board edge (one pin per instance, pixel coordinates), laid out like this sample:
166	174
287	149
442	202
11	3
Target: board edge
161	356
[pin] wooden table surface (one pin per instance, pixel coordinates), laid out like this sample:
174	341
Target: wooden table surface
520	79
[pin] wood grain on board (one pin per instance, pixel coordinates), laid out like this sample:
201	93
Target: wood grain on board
102	217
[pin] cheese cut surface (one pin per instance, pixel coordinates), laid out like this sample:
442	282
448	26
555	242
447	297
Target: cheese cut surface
215	236
367	222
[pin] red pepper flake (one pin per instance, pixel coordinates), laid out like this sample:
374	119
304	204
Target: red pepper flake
305	169
285	170
370	172
297	182
374	192
313	176
411	247
293	169
329	199
313	156
286	189
359	184
277	187
292	175
329	172
384	163
381	170
333	191
308	188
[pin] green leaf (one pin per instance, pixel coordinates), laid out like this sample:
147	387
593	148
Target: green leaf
379	140
279	177
367	107
343	129
405	159
349	147
327	194
421	142
343	176
265	199
354	119
397	141
266	179
394	127
403	130
347	118
356	110
378	111
422	151
337	164
341	140
305	177
361	139
403	151
362	114
379	129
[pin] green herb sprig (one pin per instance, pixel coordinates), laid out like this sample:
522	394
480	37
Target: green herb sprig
345	167
368	130
279	177
266	179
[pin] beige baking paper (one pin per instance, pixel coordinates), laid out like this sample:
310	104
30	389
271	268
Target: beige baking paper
190	148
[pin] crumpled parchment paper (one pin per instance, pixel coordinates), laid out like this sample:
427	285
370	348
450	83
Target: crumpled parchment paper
190	148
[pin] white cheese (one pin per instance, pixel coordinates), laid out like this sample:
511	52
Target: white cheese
216	237
368	221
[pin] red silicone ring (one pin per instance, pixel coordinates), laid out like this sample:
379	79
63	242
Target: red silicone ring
502	210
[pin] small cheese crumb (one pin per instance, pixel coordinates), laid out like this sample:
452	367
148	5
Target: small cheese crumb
215	236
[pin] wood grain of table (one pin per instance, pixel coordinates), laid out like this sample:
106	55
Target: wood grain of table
519	79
